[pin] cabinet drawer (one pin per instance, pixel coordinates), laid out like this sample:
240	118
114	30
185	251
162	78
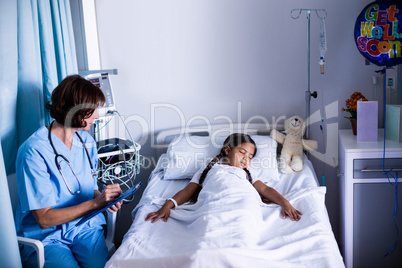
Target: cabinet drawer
373	167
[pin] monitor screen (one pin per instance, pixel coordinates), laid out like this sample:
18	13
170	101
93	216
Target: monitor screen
103	82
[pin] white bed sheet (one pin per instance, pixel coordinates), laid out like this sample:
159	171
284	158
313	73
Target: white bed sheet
283	243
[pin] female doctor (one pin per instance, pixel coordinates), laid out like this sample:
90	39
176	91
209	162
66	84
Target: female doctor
57	185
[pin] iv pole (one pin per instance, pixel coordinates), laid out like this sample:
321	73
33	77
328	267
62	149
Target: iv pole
308	93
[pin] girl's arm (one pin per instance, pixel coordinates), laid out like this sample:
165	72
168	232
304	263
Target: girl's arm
48	217
272	195
181	197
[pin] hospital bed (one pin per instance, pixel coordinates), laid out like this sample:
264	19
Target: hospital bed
183	242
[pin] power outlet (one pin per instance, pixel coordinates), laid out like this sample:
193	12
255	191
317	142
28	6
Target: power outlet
391	82
391	79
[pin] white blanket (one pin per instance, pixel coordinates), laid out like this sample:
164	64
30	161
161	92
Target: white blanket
229	226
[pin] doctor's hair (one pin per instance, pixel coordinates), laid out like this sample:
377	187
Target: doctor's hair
231	141
74	100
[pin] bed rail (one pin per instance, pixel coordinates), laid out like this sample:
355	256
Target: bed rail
166	136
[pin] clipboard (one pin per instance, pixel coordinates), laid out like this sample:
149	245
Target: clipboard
124	195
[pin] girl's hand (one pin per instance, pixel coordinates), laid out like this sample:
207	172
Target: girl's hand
162	213
182	196
289	210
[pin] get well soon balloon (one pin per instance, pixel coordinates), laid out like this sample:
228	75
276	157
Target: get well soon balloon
378	32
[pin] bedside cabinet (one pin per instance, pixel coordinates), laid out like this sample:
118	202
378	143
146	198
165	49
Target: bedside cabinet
367	199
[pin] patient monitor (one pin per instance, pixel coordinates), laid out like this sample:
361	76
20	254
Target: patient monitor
103	82
118	159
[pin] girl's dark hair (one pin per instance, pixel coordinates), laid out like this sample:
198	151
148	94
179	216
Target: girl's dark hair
73	100
231	141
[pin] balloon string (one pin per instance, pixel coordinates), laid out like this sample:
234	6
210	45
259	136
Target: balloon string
388	173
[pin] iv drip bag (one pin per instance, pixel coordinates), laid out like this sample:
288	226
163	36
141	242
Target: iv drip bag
323	44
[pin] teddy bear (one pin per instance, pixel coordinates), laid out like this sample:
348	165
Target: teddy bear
291	158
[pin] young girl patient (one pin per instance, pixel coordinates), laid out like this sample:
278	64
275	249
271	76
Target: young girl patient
237	151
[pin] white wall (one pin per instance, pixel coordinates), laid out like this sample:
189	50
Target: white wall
203	57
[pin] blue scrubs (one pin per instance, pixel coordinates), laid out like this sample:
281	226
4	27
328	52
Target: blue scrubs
40	185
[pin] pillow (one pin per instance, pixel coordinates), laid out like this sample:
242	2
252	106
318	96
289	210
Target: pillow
187	154
264	166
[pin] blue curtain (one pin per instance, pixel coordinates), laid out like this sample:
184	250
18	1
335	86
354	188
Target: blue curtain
37	51
9	253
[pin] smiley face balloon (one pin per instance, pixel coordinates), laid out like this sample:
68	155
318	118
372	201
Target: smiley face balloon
378	32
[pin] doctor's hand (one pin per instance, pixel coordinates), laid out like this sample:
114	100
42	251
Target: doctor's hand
109	194
115	207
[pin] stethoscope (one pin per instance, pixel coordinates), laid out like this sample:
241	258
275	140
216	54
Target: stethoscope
94	173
